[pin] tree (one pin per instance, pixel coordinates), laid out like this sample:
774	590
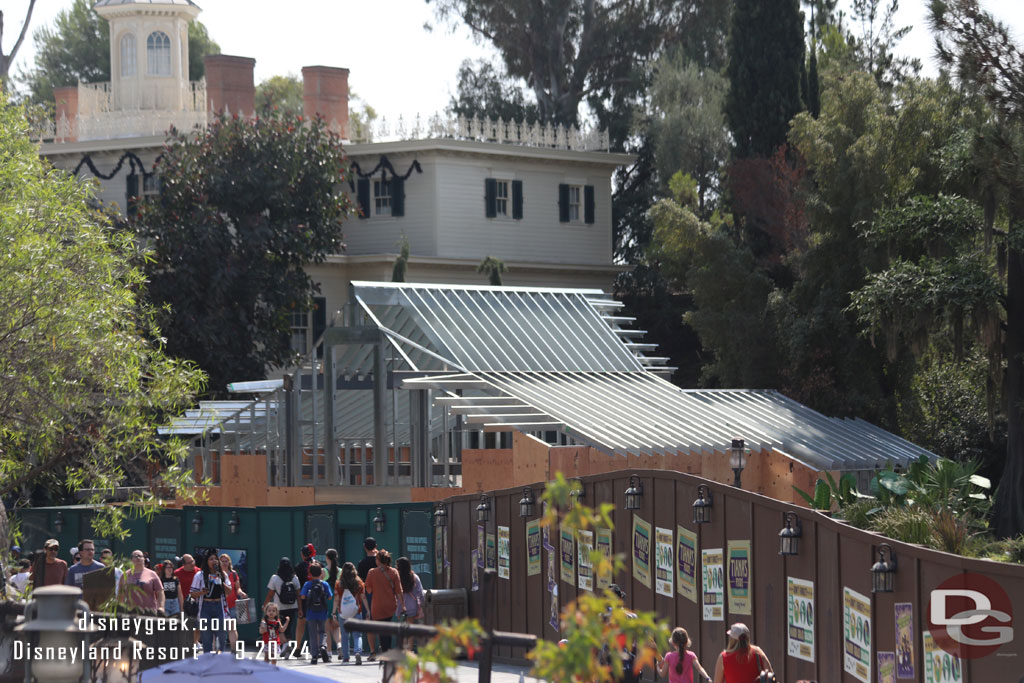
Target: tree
77	48
85	379
402	262
492	268
877	40
281	94
485	91
6	59
766	49
243	207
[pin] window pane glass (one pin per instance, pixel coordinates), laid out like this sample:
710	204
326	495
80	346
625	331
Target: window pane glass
128	55
382	198
158	54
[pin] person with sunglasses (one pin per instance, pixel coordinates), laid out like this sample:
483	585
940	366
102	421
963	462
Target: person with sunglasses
142	586
54	571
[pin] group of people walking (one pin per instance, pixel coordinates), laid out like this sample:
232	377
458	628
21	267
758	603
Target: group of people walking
740	662
321	600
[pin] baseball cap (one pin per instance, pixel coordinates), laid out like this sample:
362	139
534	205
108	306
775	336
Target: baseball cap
51	542
15	548
737	630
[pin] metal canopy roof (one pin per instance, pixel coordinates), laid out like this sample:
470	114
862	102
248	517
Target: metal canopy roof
639	413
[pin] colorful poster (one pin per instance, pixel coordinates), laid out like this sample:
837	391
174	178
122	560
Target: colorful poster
713	575
584	564
554	621
886	667
800	620
447	562
504	550
533	547
739	577
438	551
552	572
480	535
904	639
604	546
663	555
939	665
547	533
567	554
686	563
492	556
641	551
476	569
857	635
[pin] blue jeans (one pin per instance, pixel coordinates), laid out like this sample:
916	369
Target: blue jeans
213	615
356	636
317	635
172	607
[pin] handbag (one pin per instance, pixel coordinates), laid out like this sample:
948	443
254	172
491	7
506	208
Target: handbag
191	607
245	610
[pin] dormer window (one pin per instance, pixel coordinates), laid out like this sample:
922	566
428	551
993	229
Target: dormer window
158	54
128	55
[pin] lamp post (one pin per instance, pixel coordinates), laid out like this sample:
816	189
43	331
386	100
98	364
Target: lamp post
115	663
234	522
883	572
440	516
789	537
58	522
379	521
197	522
634	493
50	621
483	510
736	461
526	503
576	493
702	506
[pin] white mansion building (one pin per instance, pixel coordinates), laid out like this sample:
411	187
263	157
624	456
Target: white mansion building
538	198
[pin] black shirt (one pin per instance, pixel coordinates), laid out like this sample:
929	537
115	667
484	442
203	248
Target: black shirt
214	587
365	565
170	588
302	571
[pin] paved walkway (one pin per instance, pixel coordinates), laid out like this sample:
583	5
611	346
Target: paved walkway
372	671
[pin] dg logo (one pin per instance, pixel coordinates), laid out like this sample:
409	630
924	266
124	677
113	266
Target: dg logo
970	616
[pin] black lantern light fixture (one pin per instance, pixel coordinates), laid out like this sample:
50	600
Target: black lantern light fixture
58	522
234	522
634	493
526	503
197	522
576	493
883	572
378	521
440	516
789	537
702	506
483	510
736	460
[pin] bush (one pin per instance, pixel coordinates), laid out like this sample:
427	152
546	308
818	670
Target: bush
910	525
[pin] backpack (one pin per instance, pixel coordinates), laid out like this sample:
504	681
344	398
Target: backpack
349	605
287	595
317	597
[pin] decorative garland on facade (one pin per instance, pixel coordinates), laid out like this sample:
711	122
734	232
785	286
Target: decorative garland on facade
133	161
384	165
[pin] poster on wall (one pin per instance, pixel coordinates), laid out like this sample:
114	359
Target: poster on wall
533	548
904	639
604	546
584	565
504	557
713	579
492	554
481	534
438	550
641	551
686	563
800	618
939	665
663	565
553	620
738	565
567	553
552	572
886	667
475	561
546	532
857	635
240	563
447	562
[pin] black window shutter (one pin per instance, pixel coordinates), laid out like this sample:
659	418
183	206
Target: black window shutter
363	197
319	321
517	199
563	203
588	203
490	194
132	194
397	196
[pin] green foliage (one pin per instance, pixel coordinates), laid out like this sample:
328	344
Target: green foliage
77	47
493	268
907	524
244	206
86	380
827	492
485	90
402	262
436	660
281	95
766	49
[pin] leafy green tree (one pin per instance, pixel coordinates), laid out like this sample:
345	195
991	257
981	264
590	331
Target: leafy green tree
243	207
484	91
8	58
77	48
281	94
876	43
493	268
85	380
402	262
766	49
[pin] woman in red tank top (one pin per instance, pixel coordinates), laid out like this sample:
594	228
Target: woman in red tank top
741	662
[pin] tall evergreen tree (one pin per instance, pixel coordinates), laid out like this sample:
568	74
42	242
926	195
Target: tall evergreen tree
813	84
766	49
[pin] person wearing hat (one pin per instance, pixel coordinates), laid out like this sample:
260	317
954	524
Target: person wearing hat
302	572
15	553
54	571
741	661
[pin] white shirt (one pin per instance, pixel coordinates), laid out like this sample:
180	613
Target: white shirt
275	584
18	583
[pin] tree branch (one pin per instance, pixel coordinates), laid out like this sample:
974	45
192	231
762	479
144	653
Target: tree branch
24	30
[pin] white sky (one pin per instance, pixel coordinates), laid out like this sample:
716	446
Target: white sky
395	64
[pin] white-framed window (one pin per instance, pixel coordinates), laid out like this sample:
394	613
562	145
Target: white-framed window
128	55
158	54
381	197
150	187
501	197
575	201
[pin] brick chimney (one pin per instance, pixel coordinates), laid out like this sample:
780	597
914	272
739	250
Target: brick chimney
325	92
229	83
66	99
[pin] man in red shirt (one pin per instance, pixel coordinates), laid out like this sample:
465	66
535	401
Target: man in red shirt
56	572
185	573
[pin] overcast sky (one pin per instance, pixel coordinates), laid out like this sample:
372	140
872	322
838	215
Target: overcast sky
395	64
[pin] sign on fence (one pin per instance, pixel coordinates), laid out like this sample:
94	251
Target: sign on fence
800	620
